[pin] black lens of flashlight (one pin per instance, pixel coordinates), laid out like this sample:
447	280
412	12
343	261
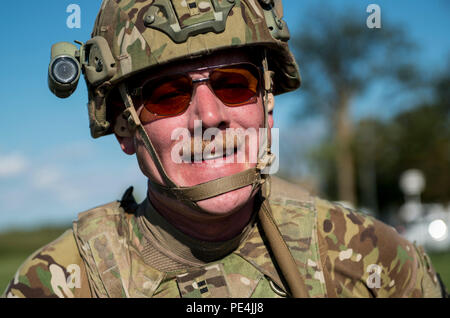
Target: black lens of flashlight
64	70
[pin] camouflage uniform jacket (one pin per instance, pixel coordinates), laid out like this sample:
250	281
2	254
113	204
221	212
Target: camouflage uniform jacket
339	253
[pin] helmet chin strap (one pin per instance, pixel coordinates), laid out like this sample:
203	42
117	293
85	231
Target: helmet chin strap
191	195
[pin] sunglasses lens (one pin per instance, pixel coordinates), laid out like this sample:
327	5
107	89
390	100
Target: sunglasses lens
170	96
235	86
167	97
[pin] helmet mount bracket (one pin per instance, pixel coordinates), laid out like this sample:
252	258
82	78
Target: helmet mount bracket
163	16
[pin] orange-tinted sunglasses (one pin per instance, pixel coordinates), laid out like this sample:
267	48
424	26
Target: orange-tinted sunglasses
235	85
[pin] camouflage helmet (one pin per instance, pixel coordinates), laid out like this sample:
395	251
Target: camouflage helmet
130	37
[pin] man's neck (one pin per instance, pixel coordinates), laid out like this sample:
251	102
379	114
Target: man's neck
200	225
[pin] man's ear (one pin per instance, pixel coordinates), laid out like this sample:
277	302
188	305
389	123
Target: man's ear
123	135
270	107
127	144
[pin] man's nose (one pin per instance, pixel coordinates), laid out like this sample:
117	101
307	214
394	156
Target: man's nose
208	108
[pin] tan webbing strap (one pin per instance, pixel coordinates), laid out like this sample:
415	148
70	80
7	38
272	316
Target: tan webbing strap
133	119
282	254
150	149
265	145
211	188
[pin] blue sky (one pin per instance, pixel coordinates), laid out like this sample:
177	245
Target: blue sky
50	167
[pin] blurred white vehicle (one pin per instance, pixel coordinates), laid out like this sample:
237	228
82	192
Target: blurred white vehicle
430	228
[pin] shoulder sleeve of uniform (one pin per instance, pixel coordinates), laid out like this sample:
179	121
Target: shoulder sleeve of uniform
280	188
367	258
56	270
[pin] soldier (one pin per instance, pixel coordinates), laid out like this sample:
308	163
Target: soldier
208	227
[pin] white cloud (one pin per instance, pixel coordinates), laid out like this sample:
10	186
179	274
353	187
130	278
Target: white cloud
56	182
46	177
61	181
12	165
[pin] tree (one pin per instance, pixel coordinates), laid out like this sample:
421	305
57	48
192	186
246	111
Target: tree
416	138
420	137
340	58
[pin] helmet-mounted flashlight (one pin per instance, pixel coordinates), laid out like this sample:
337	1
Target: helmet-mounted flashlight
94	59
64	69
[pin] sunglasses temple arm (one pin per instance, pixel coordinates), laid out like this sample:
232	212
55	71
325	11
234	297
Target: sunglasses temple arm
135	124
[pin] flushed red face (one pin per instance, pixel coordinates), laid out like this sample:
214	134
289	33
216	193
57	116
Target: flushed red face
202	105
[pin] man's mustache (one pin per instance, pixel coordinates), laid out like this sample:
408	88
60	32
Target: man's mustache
226	143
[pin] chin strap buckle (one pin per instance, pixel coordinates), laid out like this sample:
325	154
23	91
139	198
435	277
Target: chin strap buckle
265	161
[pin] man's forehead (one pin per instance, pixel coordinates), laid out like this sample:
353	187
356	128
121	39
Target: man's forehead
220	58
190	64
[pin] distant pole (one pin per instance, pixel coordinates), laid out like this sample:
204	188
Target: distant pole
412	183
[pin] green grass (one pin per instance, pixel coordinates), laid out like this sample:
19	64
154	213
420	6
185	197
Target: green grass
441	263
16	246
